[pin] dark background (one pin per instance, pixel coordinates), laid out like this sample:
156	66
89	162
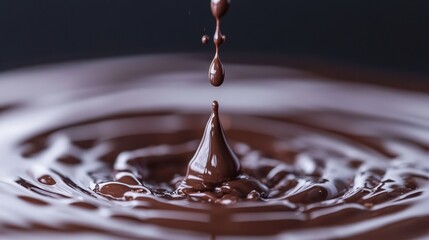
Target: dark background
381	34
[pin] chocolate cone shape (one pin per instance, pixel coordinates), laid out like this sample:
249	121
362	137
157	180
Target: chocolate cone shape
214	162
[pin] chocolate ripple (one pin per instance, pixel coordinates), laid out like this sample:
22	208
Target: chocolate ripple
317	158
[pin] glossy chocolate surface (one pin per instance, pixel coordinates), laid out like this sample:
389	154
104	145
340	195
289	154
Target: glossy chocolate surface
107	149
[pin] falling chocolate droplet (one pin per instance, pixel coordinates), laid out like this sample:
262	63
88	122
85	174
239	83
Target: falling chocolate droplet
205	39
214	162
216	72
219	7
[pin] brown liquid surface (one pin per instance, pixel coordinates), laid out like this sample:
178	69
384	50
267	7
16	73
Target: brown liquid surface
101	149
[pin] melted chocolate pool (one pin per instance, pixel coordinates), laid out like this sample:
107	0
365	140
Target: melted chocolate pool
101	149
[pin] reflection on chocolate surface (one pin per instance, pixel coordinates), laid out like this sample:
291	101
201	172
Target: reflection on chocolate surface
101	149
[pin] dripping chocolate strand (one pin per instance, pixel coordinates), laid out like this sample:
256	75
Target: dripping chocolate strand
216	70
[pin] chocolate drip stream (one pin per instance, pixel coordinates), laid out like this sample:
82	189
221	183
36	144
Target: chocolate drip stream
216	70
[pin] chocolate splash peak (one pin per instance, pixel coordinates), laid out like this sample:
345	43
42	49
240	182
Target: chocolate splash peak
214	162
216	70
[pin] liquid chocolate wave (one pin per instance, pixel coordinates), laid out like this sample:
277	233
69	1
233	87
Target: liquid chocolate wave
102	149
